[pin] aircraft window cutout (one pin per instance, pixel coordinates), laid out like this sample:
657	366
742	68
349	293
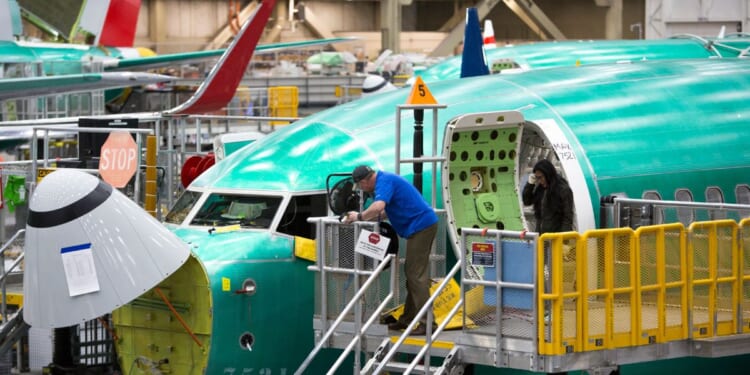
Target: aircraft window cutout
300	208
684	215
715	195
182	207
246	210
742	193
658	212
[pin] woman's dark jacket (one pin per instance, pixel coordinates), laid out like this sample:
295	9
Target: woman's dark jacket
553	207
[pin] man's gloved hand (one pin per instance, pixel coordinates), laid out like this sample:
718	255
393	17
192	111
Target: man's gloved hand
532	179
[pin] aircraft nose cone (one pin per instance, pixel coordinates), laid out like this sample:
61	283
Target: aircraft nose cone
90	249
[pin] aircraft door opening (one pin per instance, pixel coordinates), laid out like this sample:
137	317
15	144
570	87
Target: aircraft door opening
489	157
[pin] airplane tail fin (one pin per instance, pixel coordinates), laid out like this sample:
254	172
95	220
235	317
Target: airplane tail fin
473	60
113	22
220	85
120	23
489	35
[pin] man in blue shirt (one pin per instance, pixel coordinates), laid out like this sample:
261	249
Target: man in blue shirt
413	219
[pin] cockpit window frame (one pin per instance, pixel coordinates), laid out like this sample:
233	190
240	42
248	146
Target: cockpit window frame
206	193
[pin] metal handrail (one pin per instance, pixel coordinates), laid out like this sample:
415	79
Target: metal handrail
390	258
354	303
430	337
10	241
5	273
498	284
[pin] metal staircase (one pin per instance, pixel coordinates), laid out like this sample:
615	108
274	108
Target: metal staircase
12	330
336	239
451	365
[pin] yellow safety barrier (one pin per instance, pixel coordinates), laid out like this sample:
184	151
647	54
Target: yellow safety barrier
561	294
613	288
713	257
745	275
283	101
348	91
608	291
663	283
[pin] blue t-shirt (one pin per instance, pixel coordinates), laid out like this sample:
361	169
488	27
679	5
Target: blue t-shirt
407	210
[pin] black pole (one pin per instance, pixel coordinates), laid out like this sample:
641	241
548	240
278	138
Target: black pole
418	136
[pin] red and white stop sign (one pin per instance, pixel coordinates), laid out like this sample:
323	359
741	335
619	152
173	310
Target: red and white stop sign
119	158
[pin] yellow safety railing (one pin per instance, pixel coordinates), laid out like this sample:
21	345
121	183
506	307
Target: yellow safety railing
613	288
559	292
608	293
745	275
663	283
713	259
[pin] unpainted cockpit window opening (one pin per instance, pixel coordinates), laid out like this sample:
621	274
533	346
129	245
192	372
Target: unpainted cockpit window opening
249	211
182	207
300	208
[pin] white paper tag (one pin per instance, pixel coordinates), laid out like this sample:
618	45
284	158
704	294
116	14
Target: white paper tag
80	273
372	244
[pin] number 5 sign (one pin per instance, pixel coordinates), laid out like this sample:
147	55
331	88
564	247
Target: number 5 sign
420	94
119	159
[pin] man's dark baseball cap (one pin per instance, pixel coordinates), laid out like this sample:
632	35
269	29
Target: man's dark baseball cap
361	172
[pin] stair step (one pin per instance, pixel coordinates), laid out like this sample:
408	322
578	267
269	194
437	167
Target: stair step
400	367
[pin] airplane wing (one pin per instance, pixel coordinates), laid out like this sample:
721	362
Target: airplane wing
11	88
150	62
213	94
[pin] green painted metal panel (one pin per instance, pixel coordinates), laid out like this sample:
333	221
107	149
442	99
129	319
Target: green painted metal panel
482	170
622	121
630	127
580	53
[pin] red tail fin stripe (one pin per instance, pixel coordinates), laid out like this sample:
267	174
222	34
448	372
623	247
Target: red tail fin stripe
120	23
220	85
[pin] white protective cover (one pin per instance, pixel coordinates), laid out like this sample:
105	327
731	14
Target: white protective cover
132	252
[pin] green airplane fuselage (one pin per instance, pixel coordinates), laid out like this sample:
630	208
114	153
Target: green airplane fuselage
628	128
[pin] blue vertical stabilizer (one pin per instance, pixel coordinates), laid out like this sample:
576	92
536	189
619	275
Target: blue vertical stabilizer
473	60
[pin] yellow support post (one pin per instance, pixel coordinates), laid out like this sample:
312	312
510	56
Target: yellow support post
149	203
744	291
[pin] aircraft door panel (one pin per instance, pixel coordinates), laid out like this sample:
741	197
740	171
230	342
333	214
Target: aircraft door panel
481	170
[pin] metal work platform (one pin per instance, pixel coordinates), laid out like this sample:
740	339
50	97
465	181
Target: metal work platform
656	284
596	300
